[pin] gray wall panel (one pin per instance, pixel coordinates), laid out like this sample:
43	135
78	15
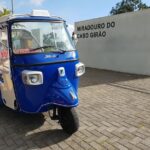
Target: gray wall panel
125	48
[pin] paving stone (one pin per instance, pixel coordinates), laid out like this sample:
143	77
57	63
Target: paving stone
108	146
146	141
85	145
63	145
136	140
96	146
120	147
101	139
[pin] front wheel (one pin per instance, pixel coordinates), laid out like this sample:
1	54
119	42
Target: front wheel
69	120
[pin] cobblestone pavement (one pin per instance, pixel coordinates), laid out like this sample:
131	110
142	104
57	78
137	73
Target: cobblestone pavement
114	113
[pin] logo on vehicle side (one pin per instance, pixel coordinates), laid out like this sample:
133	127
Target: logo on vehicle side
50	56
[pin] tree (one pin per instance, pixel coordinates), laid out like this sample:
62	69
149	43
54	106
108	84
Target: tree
5	12
128	6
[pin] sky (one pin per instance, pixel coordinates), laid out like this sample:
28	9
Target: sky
71	10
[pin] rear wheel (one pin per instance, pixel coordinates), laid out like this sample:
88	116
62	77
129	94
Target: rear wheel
69	120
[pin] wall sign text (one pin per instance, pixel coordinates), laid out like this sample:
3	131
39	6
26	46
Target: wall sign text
94	30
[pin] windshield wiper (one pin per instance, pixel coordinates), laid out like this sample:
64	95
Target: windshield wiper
61	50
42	47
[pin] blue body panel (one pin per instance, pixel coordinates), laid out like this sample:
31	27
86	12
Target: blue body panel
55	90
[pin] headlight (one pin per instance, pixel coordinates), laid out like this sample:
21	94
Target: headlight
32	77
80	69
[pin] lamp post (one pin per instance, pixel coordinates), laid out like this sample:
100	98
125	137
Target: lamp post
12	6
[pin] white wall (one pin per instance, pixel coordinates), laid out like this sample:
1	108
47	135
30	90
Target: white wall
124	48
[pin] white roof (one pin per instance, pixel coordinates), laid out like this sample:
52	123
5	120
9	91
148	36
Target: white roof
5	18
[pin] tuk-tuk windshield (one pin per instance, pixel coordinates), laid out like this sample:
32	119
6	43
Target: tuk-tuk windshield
39	37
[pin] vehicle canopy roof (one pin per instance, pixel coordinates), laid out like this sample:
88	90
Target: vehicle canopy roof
14	18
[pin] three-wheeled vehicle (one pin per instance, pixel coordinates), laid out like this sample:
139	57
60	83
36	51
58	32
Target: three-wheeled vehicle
39	67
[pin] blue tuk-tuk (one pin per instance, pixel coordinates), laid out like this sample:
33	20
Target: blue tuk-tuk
39	67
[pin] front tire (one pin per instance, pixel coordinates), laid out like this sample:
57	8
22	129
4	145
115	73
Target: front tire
69	120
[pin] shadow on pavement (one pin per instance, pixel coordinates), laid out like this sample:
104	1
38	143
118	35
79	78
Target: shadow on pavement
97	76
17	127
48	138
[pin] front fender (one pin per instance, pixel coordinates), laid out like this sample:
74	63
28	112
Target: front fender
62	93
64	97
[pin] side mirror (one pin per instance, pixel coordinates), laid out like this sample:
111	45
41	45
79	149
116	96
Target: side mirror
74	39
